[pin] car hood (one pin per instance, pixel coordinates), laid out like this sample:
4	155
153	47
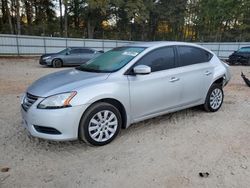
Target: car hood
64	81
239	53
46	55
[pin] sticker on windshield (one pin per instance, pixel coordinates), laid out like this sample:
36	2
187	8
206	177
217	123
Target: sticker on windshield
130	53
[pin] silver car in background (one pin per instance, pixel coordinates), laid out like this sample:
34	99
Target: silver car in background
69	56
123	86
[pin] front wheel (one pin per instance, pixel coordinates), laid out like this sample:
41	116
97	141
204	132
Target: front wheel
214	98
100	124
57	63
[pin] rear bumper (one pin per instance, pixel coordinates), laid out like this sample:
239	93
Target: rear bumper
228	75
237	59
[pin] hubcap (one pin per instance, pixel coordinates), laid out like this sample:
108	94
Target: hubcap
103	126
216	99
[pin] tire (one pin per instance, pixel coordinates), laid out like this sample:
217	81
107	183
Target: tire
214	99
57	63
248	62
97	130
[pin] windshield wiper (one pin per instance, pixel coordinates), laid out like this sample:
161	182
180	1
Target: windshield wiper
90	70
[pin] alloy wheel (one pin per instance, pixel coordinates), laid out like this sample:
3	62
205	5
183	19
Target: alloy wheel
103	126
216	98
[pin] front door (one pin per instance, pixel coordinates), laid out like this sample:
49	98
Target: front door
73	57
158	91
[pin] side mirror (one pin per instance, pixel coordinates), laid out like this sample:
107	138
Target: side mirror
67	53
142	69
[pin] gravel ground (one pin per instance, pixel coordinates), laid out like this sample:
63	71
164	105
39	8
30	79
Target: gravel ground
168	151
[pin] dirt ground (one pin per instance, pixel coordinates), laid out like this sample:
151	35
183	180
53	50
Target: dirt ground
168	151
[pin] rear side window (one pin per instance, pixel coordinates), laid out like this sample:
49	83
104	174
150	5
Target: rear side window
81	51
86	51
159	59
192	55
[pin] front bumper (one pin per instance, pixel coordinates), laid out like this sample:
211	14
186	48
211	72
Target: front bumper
65	121
237	60
47	62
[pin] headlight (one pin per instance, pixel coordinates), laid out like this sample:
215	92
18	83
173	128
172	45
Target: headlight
57	101
48	57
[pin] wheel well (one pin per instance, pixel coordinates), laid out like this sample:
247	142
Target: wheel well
119	106
58	59
219	81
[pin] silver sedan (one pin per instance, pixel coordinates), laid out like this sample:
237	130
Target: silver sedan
123	86
69	56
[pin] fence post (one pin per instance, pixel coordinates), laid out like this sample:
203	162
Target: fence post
103	45
218	53
44	44
17	45
238	46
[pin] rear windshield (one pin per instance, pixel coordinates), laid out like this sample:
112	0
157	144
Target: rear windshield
112	60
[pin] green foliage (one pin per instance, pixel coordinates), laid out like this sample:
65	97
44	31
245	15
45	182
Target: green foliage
186	20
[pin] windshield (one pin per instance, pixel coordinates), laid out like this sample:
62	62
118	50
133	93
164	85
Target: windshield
112	60
64	51
244	50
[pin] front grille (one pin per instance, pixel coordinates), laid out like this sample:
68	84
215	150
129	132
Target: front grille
28	101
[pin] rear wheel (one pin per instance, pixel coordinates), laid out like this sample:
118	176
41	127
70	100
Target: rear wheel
100	124
214	98
57	63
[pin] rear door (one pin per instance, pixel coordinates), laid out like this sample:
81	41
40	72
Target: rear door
158	91
73	57
86	54
196	72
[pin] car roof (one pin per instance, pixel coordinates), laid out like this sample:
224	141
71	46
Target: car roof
246	47
160	43
74	47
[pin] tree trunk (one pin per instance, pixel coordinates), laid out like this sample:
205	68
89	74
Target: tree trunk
28	11
4	17
90	30
18	17
65	18
36	10
61	21
9	18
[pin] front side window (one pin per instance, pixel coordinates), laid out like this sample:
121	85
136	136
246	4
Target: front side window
159	59
76	51
189	55
112	60
64	51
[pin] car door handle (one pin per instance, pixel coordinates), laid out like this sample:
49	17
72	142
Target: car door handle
208	73
174	79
